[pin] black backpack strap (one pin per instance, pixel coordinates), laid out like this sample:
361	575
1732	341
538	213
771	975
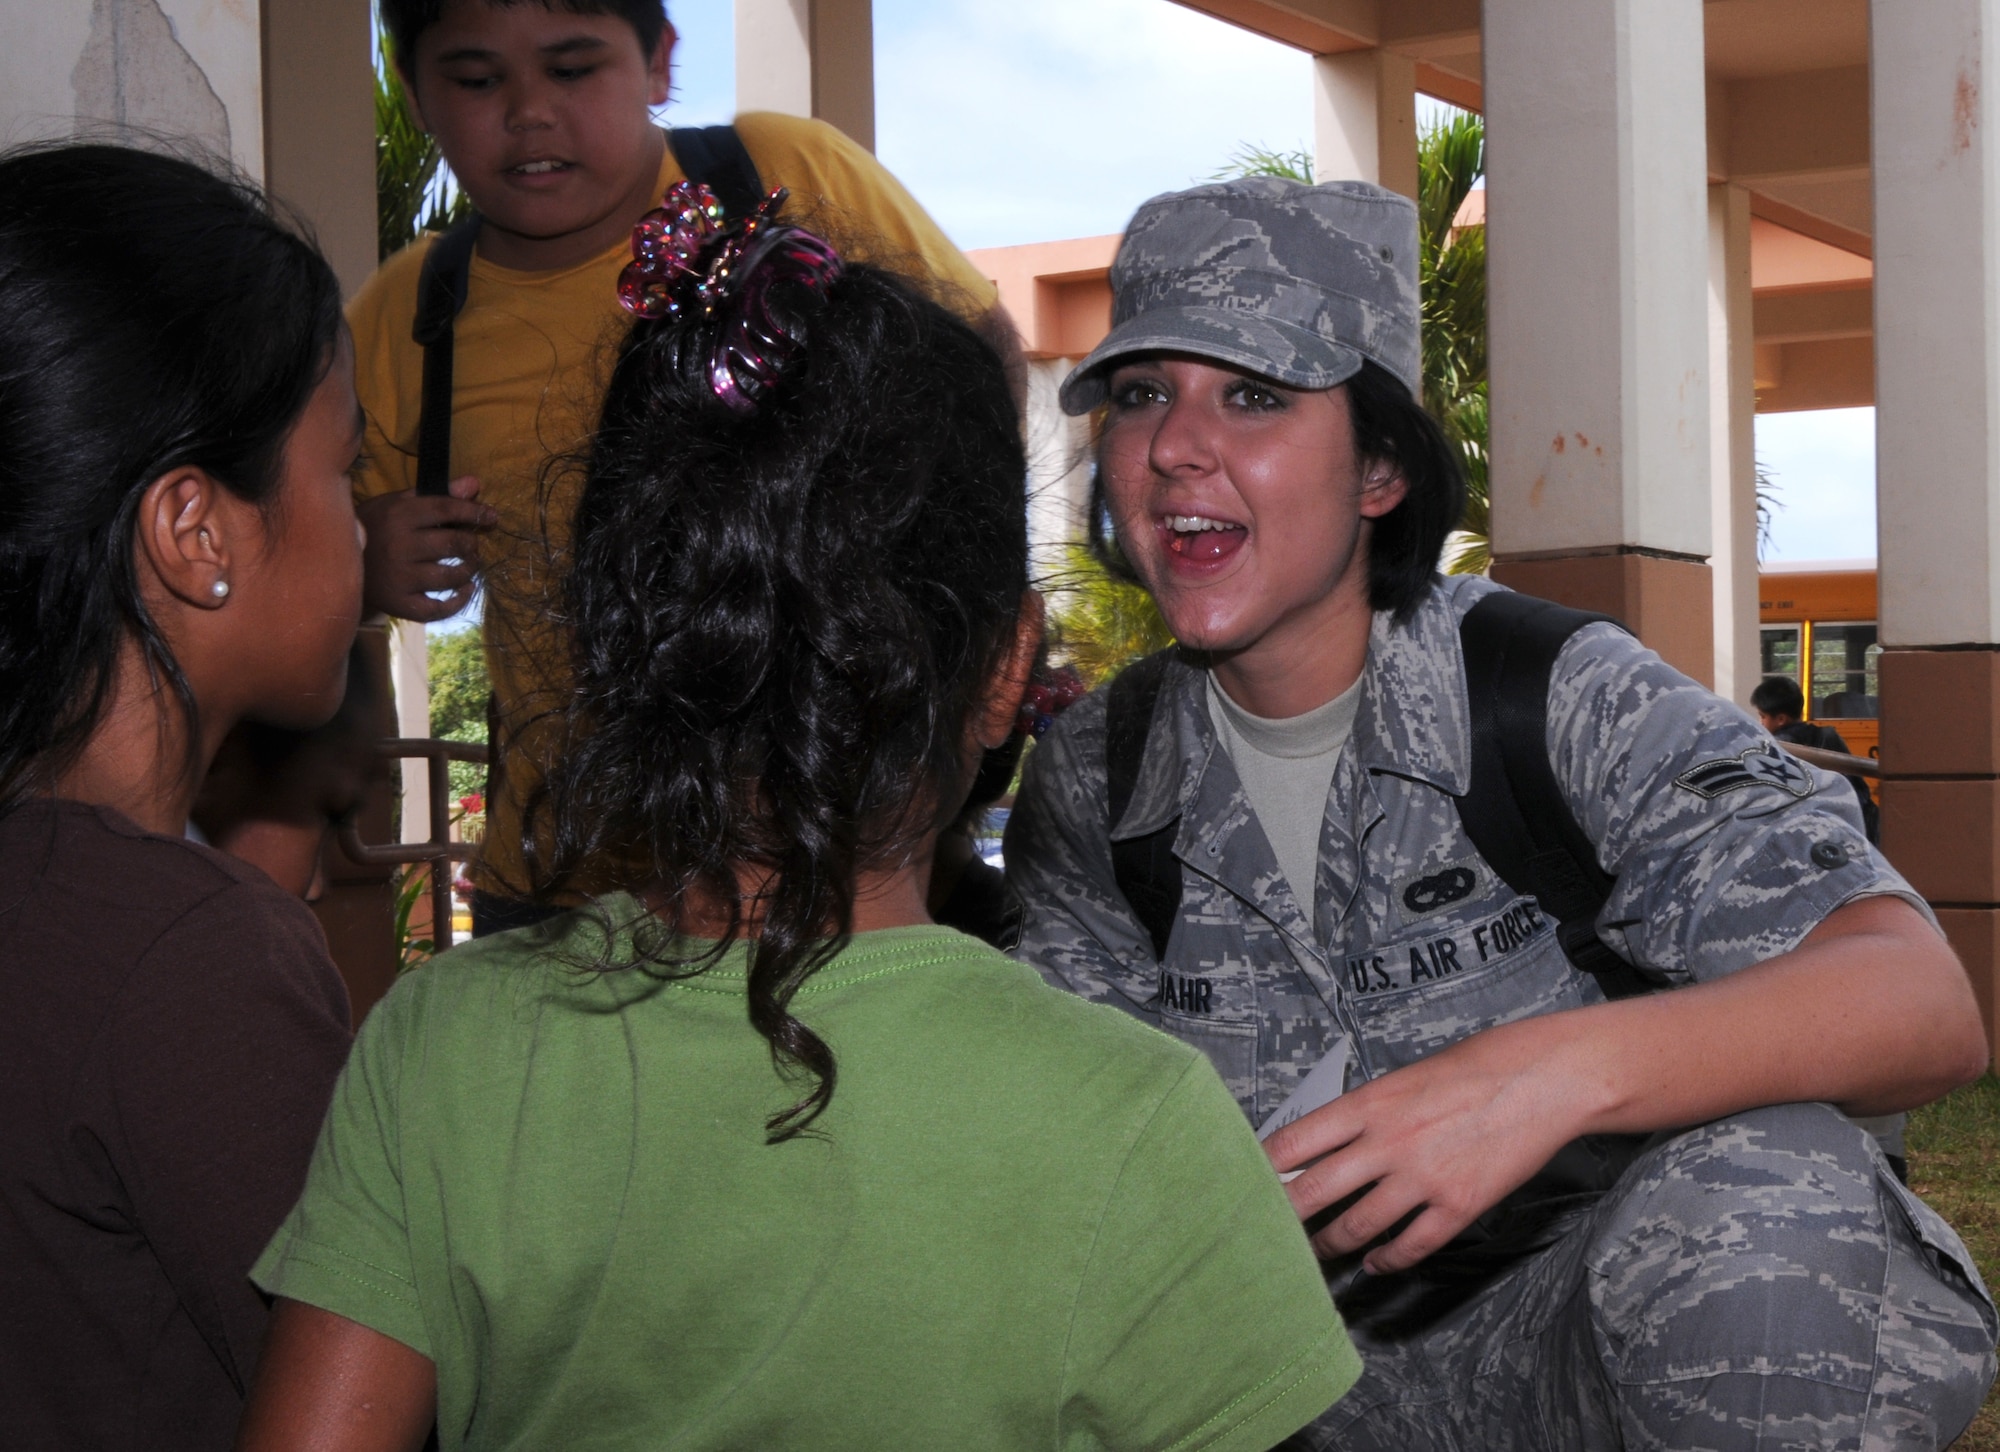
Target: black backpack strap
715	157
440	294
1147	872
1513	809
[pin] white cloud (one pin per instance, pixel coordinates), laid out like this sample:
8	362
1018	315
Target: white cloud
1823	466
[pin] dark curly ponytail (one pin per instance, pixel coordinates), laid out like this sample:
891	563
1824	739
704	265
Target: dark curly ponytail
781	623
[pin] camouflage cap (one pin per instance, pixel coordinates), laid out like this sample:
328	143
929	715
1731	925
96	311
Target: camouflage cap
1296	283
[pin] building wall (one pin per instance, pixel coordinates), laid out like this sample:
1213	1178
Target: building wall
187	69
280	88
1058	472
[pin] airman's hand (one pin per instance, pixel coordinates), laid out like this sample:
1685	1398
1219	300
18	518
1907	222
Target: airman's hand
1438	1143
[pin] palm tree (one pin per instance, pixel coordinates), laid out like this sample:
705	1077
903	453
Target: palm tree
1451	266
414	190
1100	623
1252	160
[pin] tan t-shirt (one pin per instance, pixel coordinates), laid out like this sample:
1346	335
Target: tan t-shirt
532	354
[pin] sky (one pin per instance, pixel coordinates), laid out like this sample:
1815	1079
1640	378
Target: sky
1822	465
1072	112
1041	119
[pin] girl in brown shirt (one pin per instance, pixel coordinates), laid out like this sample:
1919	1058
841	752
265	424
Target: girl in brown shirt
178	553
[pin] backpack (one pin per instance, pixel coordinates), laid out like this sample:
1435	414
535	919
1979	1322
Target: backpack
710	155
1513	809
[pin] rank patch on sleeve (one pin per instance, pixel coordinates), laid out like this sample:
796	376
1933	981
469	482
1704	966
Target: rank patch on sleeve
1758	766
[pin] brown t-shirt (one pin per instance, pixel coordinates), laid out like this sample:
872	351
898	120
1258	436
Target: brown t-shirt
170	1030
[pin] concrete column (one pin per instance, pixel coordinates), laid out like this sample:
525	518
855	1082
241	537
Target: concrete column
281	89
1732	408
319	124
809	58
1597	273
116	69
1058	473
409	667
1365	119
1936	166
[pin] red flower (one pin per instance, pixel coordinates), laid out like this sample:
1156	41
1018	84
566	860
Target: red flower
472	805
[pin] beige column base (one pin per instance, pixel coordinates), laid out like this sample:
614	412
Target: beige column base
1941	801
1974	934
1668	601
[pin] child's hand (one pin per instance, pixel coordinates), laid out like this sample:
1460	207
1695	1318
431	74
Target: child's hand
420	543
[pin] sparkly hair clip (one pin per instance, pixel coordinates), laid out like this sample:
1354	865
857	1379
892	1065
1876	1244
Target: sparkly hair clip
689	261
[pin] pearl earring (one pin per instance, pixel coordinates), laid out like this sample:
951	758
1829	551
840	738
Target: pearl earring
220	589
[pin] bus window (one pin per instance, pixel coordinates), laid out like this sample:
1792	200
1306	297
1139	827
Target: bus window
1844	683
1781	650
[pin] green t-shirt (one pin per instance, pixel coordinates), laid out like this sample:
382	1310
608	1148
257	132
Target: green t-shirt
1026	1221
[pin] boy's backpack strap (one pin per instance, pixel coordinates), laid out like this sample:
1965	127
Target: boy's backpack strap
1513	809
715	157
1147	872
440	294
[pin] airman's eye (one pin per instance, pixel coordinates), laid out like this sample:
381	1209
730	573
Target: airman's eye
1137	393
1256	397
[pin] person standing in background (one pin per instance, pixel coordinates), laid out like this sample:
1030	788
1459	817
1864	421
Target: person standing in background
544	113
1780	704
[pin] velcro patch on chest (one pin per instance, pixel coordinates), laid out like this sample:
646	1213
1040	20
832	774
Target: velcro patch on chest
1758	766
1439	889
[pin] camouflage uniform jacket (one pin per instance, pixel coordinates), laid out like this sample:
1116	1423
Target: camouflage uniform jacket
1726	852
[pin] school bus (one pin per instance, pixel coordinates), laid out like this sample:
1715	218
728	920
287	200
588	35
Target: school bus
1818	627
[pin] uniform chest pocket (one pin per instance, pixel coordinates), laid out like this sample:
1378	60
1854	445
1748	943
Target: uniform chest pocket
1426	991
1216	1013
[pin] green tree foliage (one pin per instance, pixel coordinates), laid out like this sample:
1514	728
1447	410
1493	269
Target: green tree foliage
1101	623
459	688
1252	160
414	190
1451	157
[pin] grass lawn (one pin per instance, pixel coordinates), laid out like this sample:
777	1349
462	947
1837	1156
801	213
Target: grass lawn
1954	1148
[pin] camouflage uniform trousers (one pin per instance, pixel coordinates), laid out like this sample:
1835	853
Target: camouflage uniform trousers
1759	1282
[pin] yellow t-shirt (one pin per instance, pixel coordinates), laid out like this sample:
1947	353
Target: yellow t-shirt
531	357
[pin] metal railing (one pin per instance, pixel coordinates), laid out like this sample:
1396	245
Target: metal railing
1836	761
439	850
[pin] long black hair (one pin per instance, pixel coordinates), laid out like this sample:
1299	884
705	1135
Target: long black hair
1390	427
153	315
781	623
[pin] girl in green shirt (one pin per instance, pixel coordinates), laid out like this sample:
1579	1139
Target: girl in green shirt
749	1153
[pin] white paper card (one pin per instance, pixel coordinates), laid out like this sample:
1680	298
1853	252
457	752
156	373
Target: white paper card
1323	1085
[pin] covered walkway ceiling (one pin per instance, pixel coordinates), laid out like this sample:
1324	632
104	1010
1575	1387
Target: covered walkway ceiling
1788	122
1787	79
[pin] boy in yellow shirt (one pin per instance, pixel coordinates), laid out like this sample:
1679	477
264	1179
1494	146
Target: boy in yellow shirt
543	111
